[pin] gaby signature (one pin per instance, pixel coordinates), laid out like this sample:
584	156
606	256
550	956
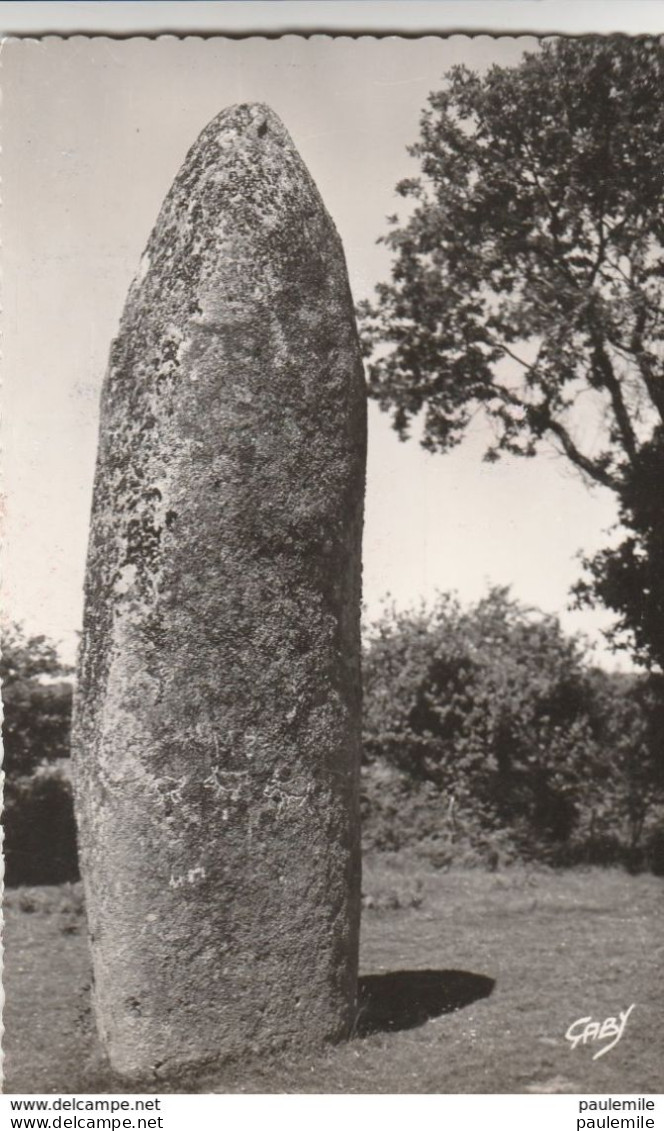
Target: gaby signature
584	1029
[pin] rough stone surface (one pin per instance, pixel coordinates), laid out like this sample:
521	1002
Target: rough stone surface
217	722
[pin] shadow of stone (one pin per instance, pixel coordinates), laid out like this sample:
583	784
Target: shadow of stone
404	999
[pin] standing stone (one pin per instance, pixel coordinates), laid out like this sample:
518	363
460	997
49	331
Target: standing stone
217	725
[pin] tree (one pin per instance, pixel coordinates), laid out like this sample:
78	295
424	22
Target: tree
629	579
527	282
37	698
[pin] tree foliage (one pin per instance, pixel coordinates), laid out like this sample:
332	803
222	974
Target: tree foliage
629	579
494	718
40	831
527	282
38	813
36	698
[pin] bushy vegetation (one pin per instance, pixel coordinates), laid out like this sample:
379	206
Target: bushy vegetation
40	833
488	737
36	700
38	815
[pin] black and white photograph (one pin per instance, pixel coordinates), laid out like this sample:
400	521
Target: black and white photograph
333	565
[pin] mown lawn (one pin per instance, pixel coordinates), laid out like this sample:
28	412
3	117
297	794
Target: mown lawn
515	957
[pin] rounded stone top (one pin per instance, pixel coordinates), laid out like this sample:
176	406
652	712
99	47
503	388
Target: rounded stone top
255	119
243	196
244	157
246	128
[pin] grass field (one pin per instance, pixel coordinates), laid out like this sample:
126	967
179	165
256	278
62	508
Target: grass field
470	981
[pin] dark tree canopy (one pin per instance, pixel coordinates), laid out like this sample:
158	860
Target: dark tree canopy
629	579
527	282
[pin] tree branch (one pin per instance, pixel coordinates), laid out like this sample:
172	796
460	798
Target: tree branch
590	467
601	364
653	383
596	471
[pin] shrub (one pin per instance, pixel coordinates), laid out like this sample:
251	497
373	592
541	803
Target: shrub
37	701
38	819
654	848
487	735
40	832
36	724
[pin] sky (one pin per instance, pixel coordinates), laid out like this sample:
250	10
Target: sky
94	132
